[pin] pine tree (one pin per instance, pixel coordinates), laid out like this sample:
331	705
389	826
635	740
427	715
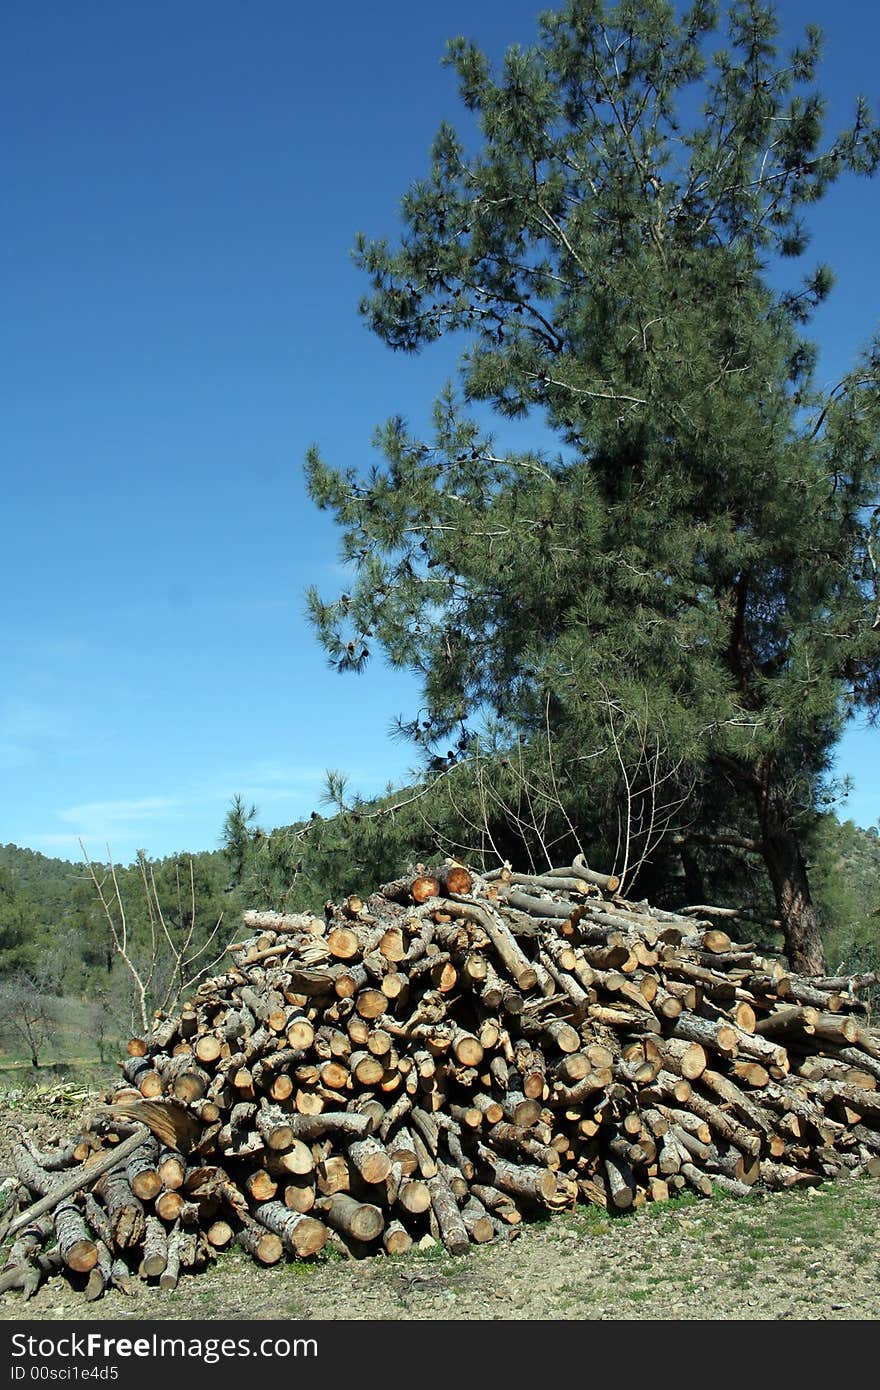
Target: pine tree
700	541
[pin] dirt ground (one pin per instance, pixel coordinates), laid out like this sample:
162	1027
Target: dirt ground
811	1254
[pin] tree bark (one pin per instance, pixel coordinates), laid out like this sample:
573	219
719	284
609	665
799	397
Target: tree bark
785	864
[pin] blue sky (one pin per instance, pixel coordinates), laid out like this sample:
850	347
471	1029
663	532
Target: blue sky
181	186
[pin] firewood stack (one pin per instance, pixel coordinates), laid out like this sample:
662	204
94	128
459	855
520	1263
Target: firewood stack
443	1060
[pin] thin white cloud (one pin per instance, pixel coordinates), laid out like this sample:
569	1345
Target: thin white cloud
67	841
138	808
120	825
283	792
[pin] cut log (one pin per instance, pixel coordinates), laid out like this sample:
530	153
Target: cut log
125	1211
78	1251
370	1158
155	1254
358	1220
453	1231
301	1235
396	1239
142	1172
621	1183
263	1246
527	1181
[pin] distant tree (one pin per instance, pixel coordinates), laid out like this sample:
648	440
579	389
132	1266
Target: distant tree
704	545
29	1011
106	1021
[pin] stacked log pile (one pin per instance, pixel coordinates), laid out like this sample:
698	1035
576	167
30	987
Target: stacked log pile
443	1060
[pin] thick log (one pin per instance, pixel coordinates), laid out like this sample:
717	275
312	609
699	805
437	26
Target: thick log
301	1235
260	1185
300	1194
125	1211
467	1049
683	1057
455	879
220	1234
527	1181
712	1035
358	1220
171	1167
78	1251
402	1149
520	1110
282	922
370	1158
413	1196
173	1206
396	1239
183	1078
417	888
329	1122
142	1173
477	1221
263	1246
749	1073
275	1127
295	1161
792	1021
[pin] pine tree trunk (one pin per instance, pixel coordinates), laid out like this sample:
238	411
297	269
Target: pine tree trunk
788	875
694	884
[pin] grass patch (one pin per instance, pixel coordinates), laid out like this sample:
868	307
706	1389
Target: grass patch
435	1251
